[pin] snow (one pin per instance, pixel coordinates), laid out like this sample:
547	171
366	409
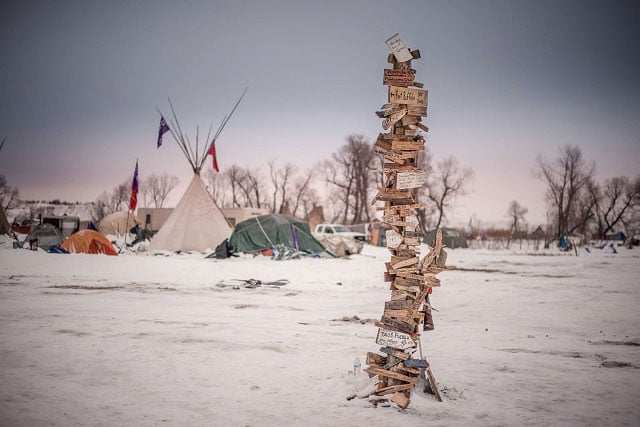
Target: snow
536	338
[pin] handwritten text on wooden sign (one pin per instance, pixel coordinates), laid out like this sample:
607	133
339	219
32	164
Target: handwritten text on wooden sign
394	339
399	49
413	179
403	95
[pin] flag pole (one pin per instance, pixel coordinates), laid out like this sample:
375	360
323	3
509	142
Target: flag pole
134	187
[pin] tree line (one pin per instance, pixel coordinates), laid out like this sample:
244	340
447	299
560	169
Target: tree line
578	203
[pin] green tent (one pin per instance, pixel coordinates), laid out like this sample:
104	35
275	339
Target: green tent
451	238
284	234
44	236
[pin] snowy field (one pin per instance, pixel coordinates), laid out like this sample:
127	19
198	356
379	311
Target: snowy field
135	340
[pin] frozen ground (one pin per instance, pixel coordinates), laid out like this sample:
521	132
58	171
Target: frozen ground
152	340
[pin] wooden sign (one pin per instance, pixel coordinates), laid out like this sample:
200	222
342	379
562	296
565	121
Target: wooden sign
403	95
412	179
398	48
413	221
407	145
415	363
417	110
393	118
394	239
394	339
402	78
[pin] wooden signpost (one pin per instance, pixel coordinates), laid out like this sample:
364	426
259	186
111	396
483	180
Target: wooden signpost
399	368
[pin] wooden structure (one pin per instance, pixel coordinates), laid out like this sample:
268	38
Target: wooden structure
398	367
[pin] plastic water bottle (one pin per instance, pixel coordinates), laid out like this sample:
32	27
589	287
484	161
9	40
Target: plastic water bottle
356	366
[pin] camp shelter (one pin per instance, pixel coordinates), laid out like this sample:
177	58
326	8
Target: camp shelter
88	242
117	223
196	223
281	232
44	236
451	238
339	244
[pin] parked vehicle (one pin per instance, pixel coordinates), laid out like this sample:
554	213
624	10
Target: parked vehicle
324	229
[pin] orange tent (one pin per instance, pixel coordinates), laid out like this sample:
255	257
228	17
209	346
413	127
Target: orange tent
88	242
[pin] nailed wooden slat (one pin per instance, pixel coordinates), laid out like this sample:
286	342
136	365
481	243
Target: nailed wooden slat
400	399
390	374
403	95
407	145
398	305
393	389
401	78
395	353
376	359
416	110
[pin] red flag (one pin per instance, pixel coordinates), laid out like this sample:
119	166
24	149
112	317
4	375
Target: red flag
212	152
133	201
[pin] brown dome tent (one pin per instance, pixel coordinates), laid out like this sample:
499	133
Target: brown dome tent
88	242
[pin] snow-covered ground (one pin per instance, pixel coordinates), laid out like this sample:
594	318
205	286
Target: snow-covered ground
520	339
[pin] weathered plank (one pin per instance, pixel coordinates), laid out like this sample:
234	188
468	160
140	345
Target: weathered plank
413	179
399	314
403	325
417	110
394	239
423	127
415	363
402	78
393	389
394	118
403	95
400	399
390	374
405	263
397	305
434	385
407	145
395	353
394	339
376	359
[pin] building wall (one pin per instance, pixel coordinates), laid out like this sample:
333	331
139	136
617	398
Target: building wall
154	218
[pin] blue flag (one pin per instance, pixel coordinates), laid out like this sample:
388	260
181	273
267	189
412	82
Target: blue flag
164	128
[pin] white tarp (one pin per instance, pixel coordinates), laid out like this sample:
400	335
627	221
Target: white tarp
117	223
196	224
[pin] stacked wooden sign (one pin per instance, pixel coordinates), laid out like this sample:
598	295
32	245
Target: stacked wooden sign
397	367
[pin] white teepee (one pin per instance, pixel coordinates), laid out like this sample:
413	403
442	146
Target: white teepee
196	223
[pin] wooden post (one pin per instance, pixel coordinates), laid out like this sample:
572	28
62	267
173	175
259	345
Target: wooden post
411	278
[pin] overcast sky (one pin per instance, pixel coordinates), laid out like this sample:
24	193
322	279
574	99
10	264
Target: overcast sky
507	80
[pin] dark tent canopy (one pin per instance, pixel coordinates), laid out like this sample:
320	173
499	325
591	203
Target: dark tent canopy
450	238
284	234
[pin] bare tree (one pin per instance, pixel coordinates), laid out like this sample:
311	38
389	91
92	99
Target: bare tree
619	197
425	162
516	213
218	186
158	187
565	176
116	200
584	214
348	174
281	180
9	196
249	182
305	196
234	175
447	182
